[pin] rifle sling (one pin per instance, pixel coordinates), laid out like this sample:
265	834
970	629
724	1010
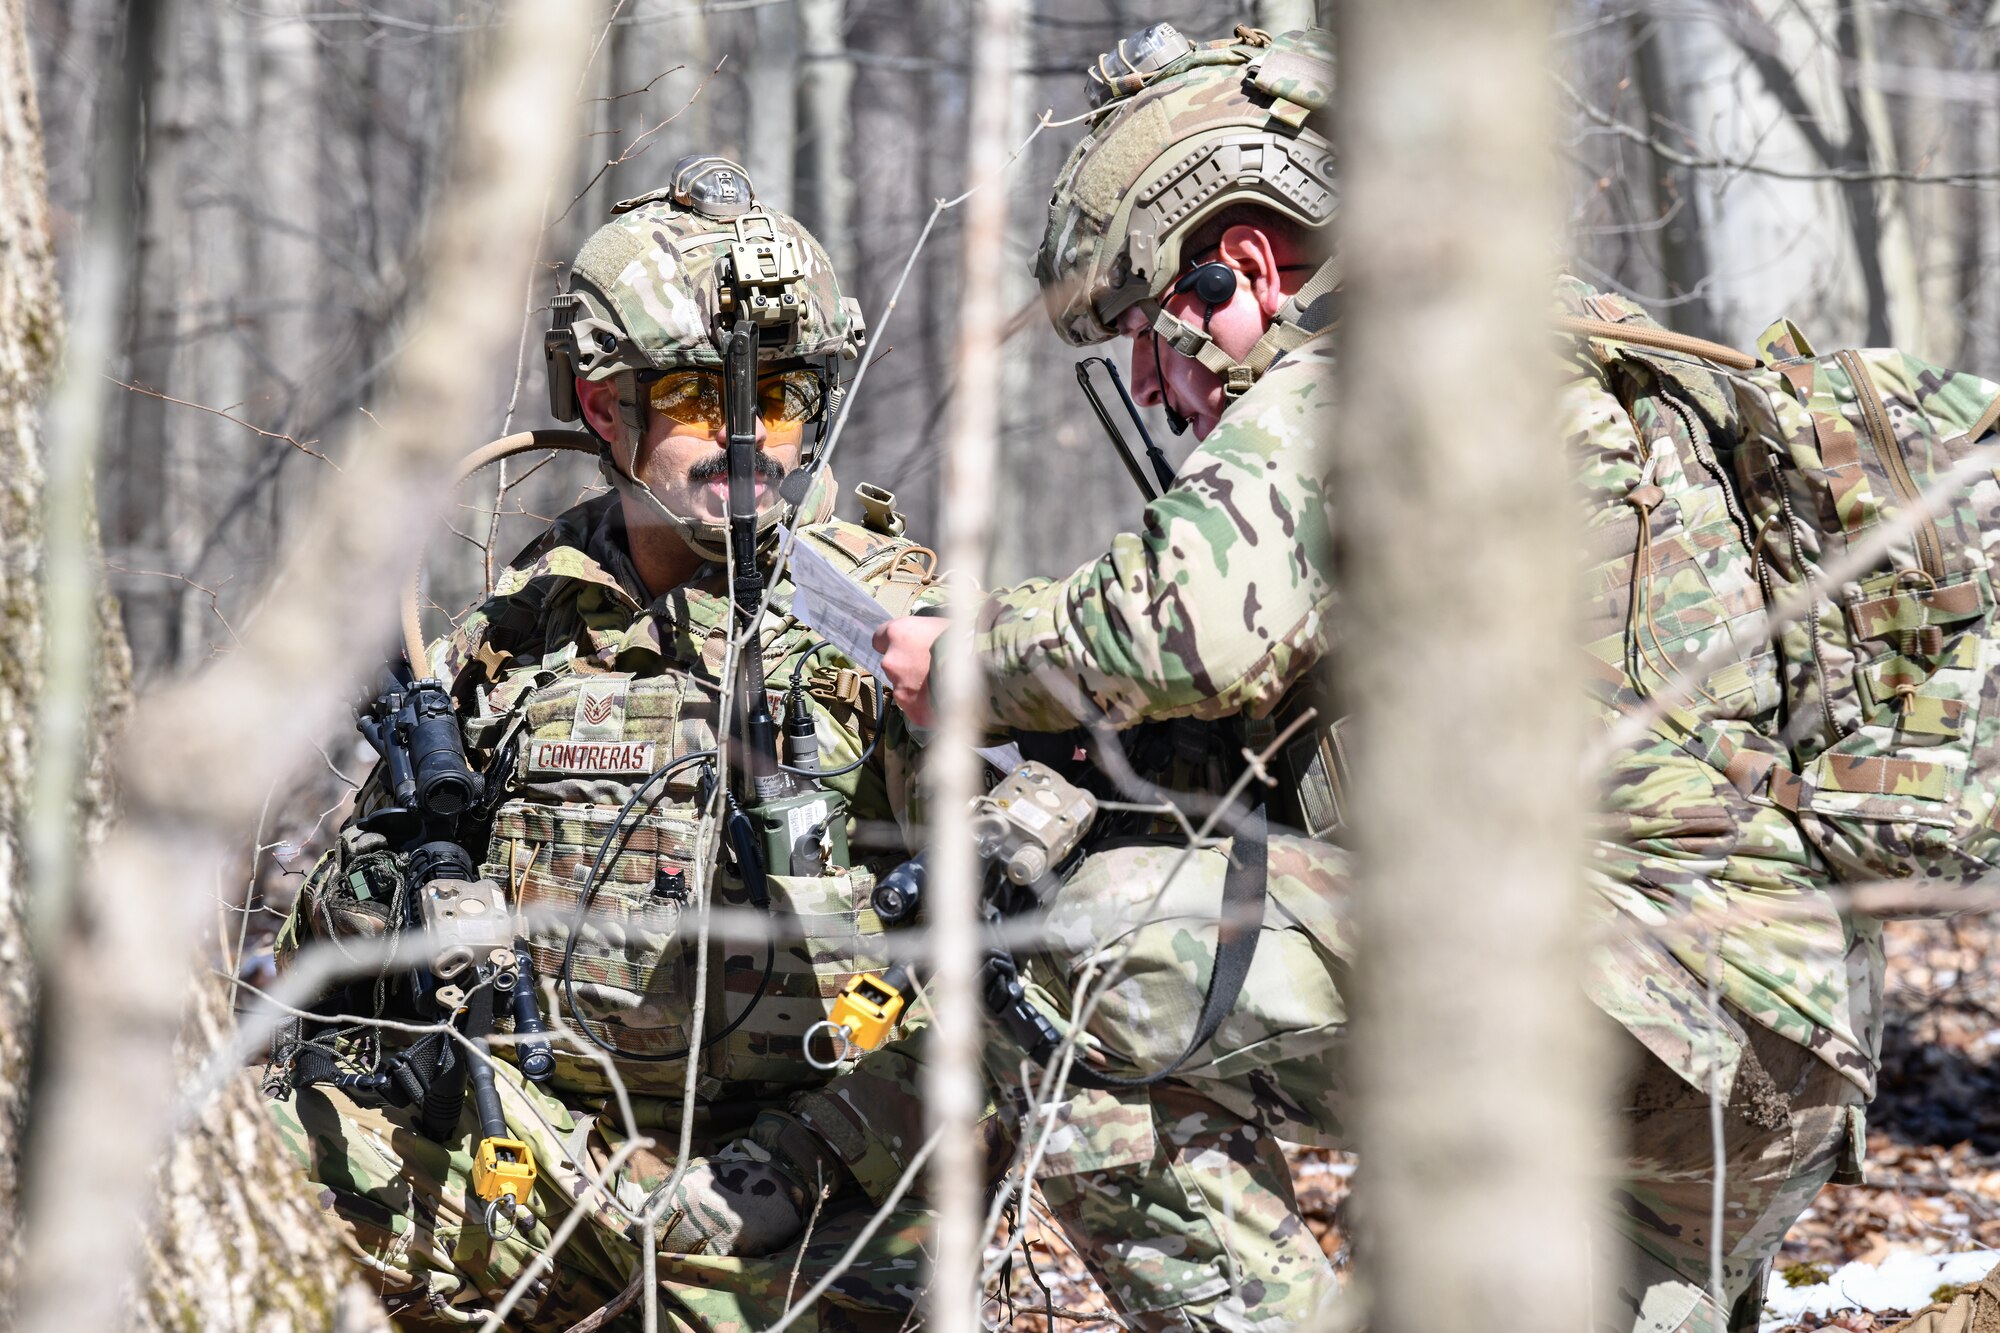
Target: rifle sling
1240	926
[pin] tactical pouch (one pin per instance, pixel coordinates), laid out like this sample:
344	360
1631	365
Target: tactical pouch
1887	671
354	892
1296	72
1670	575
629	970
826	934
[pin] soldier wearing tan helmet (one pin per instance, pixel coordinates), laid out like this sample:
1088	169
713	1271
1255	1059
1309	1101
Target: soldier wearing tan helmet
1192	220
593	671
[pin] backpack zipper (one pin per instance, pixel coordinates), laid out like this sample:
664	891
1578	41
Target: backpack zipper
1930	547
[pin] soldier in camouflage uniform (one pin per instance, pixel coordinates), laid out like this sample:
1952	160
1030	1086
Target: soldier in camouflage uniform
1195	636
1210	620
597	660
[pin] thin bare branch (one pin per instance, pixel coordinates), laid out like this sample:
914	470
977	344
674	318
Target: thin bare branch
302	446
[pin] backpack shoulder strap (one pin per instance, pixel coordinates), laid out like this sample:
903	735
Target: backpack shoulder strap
1665	340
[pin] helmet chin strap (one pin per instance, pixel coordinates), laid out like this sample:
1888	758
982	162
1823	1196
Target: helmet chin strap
707	538
1309	311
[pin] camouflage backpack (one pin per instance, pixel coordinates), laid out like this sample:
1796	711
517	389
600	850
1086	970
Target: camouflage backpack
1886	672
1883	673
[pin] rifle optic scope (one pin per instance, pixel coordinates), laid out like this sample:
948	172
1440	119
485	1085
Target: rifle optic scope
445	784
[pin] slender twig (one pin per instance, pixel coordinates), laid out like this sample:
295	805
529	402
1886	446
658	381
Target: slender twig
1666	152
638	144
229	416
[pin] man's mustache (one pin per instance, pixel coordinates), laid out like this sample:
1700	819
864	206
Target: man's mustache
716	468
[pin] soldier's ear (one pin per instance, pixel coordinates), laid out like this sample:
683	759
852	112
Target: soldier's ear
1253	252
598	400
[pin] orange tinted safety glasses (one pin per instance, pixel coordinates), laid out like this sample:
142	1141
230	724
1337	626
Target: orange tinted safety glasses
786	399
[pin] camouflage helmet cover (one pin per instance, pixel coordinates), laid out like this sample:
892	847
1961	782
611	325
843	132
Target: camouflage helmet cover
662	285
1183	131
652	288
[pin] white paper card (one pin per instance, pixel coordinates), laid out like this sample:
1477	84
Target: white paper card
1006	757
837	607
843	614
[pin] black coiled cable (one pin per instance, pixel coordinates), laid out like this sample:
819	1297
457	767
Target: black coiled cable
567	980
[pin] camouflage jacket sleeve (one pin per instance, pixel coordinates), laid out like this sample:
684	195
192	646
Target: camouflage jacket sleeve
1214	608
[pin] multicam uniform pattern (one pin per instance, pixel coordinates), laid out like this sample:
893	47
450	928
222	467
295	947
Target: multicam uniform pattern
1176	1195
569	667
1688	833
1886	679
1217	608
649	291
1698	868
1208	620
1698	871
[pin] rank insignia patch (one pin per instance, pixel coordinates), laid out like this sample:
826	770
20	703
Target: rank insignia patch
600	709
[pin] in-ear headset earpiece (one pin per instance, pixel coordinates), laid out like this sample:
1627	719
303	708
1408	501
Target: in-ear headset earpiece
1212	283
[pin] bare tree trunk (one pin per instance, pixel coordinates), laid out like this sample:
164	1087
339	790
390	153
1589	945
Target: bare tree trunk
952	1082
140	455
642	52
1762	46
894	118
771	68
826	79
1474	1072
1872	147
1684	262
198	759
224	366
234	1196
239	1244
290	194
1281	15
1979	221
30	337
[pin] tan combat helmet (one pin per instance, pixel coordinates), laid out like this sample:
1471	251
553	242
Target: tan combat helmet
1183	131
659	287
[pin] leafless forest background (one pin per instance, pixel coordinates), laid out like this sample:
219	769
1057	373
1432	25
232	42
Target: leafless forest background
1725	161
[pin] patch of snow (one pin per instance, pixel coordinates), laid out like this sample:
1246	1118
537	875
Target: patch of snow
1903	1281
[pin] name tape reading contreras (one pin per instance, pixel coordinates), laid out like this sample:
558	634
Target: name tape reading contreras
604	757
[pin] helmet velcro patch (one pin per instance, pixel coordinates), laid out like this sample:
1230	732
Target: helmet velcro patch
1107	172
605	256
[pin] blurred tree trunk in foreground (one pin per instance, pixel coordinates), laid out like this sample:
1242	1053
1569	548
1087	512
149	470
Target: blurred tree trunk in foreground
195	764
31	342
1472	1038
241	1245
30	309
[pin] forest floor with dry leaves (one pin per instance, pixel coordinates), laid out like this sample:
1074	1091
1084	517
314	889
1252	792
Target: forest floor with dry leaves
1933	1147
1934	1128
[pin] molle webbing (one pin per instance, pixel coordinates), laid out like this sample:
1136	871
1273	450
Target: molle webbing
1863	473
